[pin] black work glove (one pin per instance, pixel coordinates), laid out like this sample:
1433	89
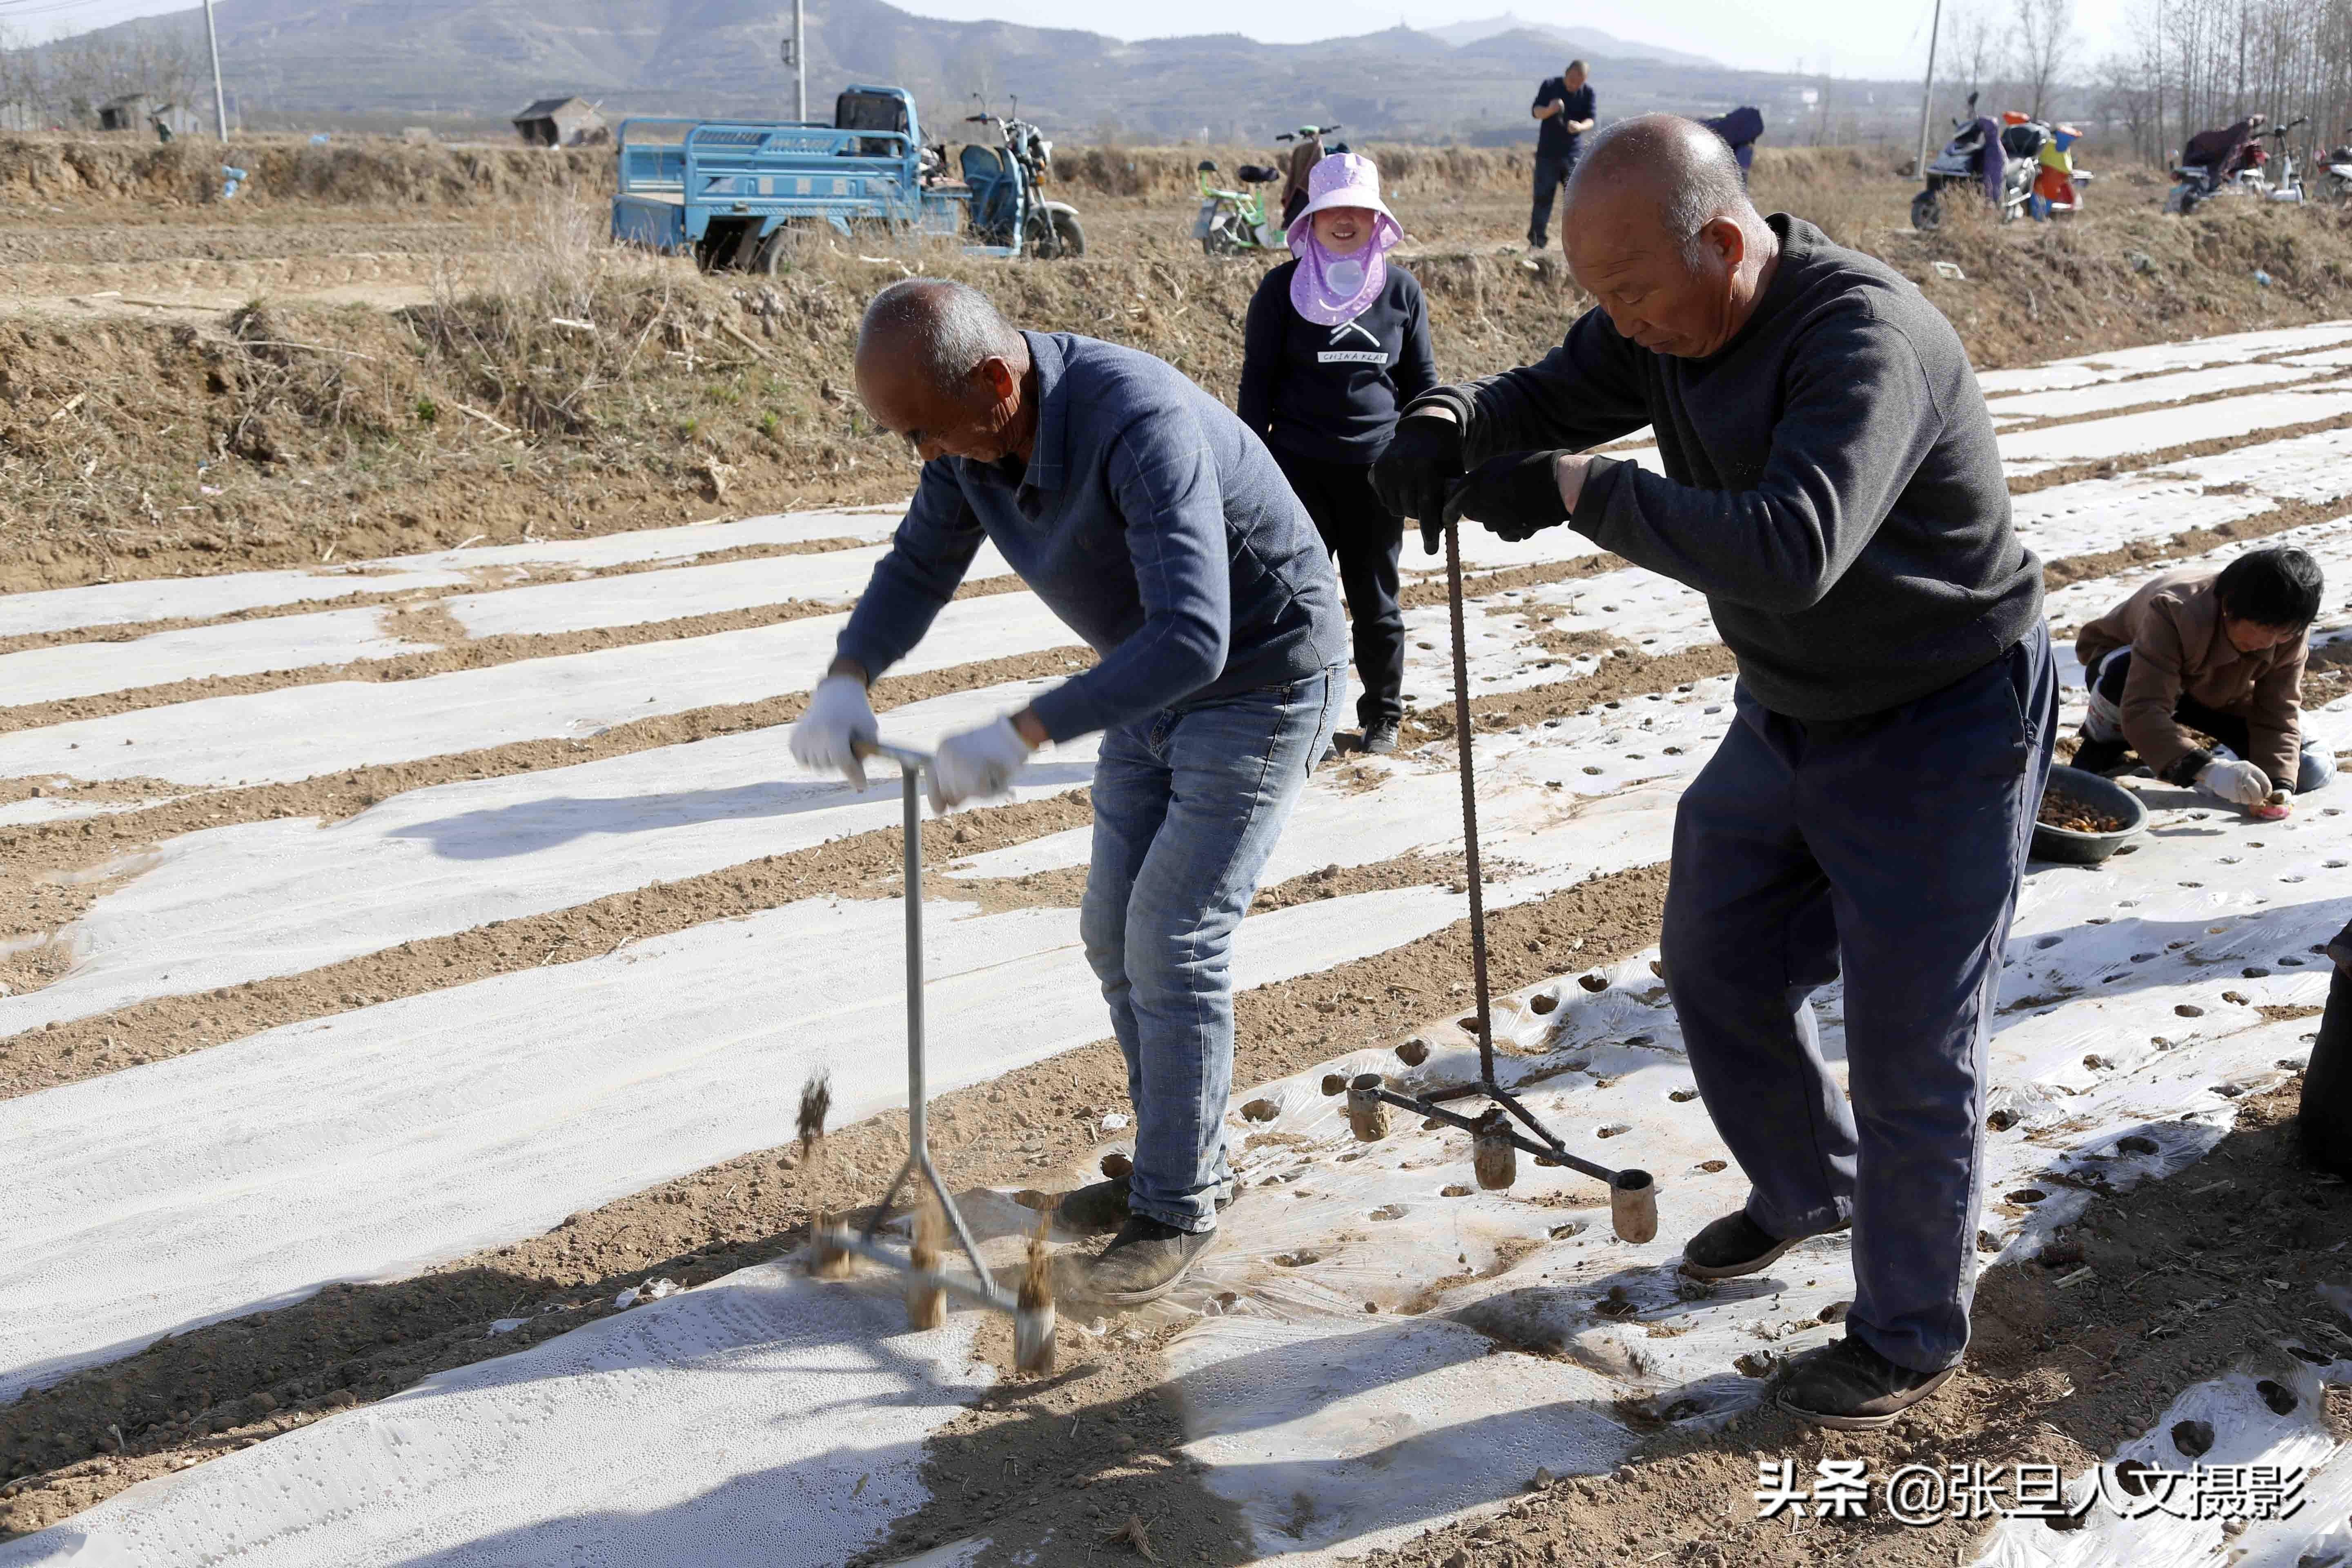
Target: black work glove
1423	460
1516	495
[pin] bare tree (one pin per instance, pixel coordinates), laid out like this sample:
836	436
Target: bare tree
2045	41
1978	50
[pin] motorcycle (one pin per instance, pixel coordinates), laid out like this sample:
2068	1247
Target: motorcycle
2336	172
1010	214
2233	159
1975	143
1230	222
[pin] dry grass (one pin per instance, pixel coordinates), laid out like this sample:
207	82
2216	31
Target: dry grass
554	383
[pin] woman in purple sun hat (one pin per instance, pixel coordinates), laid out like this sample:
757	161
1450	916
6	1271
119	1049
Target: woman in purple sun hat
1337	344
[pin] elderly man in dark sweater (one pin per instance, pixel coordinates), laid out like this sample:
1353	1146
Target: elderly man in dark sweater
1833	487
1159	530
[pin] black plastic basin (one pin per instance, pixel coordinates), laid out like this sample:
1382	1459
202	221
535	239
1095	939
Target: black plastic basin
2069	847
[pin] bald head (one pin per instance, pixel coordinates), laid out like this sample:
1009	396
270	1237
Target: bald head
941	329
939	364
1686	172
1659	229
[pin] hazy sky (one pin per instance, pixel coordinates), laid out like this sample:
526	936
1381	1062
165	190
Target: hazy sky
1846	38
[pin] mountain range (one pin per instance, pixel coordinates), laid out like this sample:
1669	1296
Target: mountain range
723	57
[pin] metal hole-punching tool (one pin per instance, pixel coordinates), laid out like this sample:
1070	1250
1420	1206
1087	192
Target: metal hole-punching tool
928	1282
1504	1128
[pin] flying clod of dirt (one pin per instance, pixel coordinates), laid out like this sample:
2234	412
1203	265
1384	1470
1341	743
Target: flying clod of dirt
817	1102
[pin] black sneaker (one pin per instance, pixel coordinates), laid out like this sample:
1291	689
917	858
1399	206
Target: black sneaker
2099	756
1848	1385
1096	1209
1733	1246
1145	1261
1380	738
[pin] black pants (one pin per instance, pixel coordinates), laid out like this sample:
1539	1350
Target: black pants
2325	1118
1551	172
2230	729
1366	537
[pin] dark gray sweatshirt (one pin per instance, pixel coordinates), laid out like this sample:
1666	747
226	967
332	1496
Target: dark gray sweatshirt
1831	482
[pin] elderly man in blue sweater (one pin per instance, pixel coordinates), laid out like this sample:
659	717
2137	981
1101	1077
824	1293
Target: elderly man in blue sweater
1153	523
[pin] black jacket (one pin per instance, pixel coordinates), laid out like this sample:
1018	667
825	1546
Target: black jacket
1333	394
1831	483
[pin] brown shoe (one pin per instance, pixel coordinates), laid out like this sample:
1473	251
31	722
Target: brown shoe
1096	1209
1100	1208
1848	1385
1733	1246
1144	1262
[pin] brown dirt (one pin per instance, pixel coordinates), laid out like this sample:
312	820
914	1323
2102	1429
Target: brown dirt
2053	1375
2188	543
489	578
1429	591
693	389
1064	886
449	648
1622	674
1056	1467
45	871
2142	462
2052	421
862	866
207	1391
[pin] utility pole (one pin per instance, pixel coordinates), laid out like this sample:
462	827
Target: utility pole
1928	93
796	57
220	98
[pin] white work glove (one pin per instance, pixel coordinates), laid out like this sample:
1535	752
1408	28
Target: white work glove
837	716
2240	784
976	764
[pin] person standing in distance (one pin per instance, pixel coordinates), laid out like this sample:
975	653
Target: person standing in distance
1337	343
1563	111
1831	484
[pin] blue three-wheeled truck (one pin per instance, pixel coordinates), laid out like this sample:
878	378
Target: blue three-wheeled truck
728	192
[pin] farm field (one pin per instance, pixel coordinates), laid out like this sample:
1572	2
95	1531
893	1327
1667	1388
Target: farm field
413	963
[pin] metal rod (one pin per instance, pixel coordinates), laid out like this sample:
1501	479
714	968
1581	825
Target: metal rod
984	1293
1510	1102
955	1215
1928	93
882	1210
1454	1119
1469	800
220	97
917	1133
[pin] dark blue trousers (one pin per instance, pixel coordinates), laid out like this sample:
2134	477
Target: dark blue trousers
1889	849
1551	172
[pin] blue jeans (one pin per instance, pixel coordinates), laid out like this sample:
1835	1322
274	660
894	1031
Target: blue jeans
1891	848
1188	803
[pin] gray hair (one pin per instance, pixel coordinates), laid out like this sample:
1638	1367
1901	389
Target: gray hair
949	328
1690	169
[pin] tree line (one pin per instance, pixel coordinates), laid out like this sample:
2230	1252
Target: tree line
63	83
2176	68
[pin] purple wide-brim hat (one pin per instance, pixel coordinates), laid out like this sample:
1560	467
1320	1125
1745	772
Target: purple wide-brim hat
1345	180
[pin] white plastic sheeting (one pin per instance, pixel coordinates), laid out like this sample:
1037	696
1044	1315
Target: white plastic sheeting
303	732
178	598
762	1418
